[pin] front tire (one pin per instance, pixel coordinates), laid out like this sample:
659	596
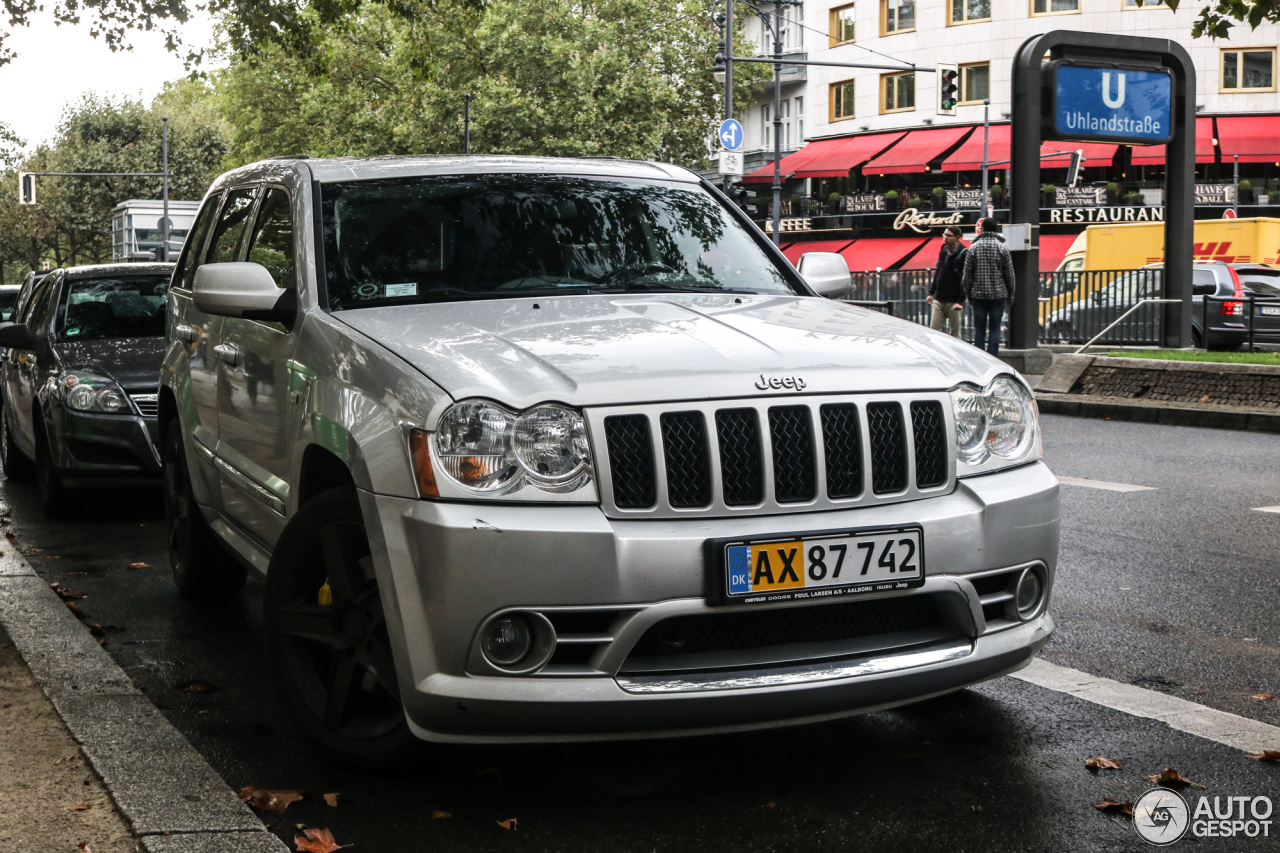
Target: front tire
54	496
202	569
13	462
326	636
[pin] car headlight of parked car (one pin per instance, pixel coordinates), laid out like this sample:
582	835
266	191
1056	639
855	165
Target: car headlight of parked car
996	427
86	392
490	451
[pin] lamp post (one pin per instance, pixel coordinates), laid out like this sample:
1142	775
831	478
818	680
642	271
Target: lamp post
986	152
466	123
164	217
1235	183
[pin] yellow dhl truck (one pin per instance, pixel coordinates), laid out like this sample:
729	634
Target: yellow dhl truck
1130	245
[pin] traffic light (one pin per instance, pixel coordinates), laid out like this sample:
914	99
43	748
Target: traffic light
948	89
26	188
1073	168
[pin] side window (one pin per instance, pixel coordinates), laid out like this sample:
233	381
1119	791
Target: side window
232	220
188	261
38	312
272	242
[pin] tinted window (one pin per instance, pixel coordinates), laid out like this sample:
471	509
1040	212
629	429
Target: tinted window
495	236
230	228
8	299
37	312
1261	282
185	274
124	307
272	241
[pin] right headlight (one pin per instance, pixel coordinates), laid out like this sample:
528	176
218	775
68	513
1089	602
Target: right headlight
484	450
996	427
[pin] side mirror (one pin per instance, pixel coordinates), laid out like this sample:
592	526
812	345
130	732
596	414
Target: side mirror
243	290
16	336
826	272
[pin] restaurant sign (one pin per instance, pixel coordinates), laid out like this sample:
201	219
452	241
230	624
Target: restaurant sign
1105	214
1215	194
921	223
961	199
1080	196
863	203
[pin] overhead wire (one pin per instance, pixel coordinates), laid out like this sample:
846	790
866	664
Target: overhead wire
762	12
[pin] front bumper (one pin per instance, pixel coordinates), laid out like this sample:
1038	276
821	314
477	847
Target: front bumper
104	450
445	567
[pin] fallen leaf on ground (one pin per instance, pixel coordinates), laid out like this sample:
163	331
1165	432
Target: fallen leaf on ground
264	800
1266	755
80	808
1266	697
75	608
1109	805
1169	776
84	847
137	565
97	630
331	800
196	685
35	550
53	557
1204	399
770	805
1102	764
508	824
439	815
67	594
13	540
60	760
317	841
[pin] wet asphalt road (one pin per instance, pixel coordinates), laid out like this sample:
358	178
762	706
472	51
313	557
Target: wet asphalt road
1172	589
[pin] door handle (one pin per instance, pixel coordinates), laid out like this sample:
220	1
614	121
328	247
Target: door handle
183	332
227	354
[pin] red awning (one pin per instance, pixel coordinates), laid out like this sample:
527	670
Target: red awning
793	251
1053	248
764	175
1153	155
880	252
833	158
926	258
1255	138
917	151
968	157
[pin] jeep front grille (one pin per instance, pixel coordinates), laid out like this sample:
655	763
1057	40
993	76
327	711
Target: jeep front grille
772	456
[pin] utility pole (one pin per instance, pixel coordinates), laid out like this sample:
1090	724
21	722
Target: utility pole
728	76
986	152
1235	183
777	121
164	218
466	124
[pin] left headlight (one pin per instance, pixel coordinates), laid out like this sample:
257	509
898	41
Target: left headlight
488	451
86	392
996	427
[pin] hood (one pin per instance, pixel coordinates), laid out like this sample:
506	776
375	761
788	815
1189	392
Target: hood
132	362
604	350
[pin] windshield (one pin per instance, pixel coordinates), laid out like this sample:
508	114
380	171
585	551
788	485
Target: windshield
1262	282
493	236
8	298
124	307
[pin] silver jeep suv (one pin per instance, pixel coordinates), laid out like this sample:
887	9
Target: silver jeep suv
534	449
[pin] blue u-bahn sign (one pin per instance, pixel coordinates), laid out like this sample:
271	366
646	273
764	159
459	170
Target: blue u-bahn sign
1109	103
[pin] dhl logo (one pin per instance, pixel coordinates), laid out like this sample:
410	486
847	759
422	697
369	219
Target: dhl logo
1215	252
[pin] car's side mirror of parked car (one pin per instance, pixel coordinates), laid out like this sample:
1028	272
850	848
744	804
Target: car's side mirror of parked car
16	336
826	272
243	290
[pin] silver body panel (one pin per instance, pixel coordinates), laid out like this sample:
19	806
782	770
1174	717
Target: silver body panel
355	383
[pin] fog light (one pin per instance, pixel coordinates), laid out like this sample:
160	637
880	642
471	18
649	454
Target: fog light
507	640
1028	594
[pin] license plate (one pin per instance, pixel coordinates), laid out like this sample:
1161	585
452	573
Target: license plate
819	566
1270	310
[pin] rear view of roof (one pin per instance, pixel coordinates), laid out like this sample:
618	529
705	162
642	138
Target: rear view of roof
364	168
103	270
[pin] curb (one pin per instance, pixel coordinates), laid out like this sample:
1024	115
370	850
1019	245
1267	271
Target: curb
1120	409
172	799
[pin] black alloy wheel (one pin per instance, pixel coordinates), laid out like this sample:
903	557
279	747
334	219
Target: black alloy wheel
54	496
13	462
201	567
327	639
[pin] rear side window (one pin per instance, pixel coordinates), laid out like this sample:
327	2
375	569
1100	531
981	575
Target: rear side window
189	261
37	314
232	221
272	242
1261	282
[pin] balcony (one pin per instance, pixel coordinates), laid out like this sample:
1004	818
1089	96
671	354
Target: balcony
790	73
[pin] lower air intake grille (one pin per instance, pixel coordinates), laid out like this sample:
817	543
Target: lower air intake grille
684	635
741	462
794	478
888	448
928	425
684	450
843	450
631	461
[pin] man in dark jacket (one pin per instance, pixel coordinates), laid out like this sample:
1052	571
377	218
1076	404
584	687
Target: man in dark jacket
946	293
989	284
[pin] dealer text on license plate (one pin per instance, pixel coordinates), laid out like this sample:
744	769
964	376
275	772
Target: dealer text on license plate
824	566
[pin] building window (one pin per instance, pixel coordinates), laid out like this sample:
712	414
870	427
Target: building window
793	29
841	100
799	122
975	83
1146	4
785	115
765	118
841	28
897	93
1055	7
969	11
897	16
1249	70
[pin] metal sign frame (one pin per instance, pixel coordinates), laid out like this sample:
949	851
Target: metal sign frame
1030	101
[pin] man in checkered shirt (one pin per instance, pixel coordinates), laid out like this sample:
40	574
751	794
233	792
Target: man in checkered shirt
989	283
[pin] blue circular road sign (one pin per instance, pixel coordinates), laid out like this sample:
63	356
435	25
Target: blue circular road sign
731	134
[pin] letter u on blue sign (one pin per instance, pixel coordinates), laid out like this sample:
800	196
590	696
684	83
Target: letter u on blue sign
738	564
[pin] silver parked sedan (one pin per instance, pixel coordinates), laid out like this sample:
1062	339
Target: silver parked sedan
535	449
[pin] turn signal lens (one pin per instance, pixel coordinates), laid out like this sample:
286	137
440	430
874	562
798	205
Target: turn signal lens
420	448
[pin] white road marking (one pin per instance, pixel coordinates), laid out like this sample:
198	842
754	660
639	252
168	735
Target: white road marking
1103	484
1264	508
1179	714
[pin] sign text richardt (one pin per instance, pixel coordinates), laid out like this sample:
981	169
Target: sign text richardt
1112	104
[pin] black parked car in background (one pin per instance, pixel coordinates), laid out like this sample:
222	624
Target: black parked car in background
80	379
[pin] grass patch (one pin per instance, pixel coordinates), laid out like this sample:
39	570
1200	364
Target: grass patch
1272	358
